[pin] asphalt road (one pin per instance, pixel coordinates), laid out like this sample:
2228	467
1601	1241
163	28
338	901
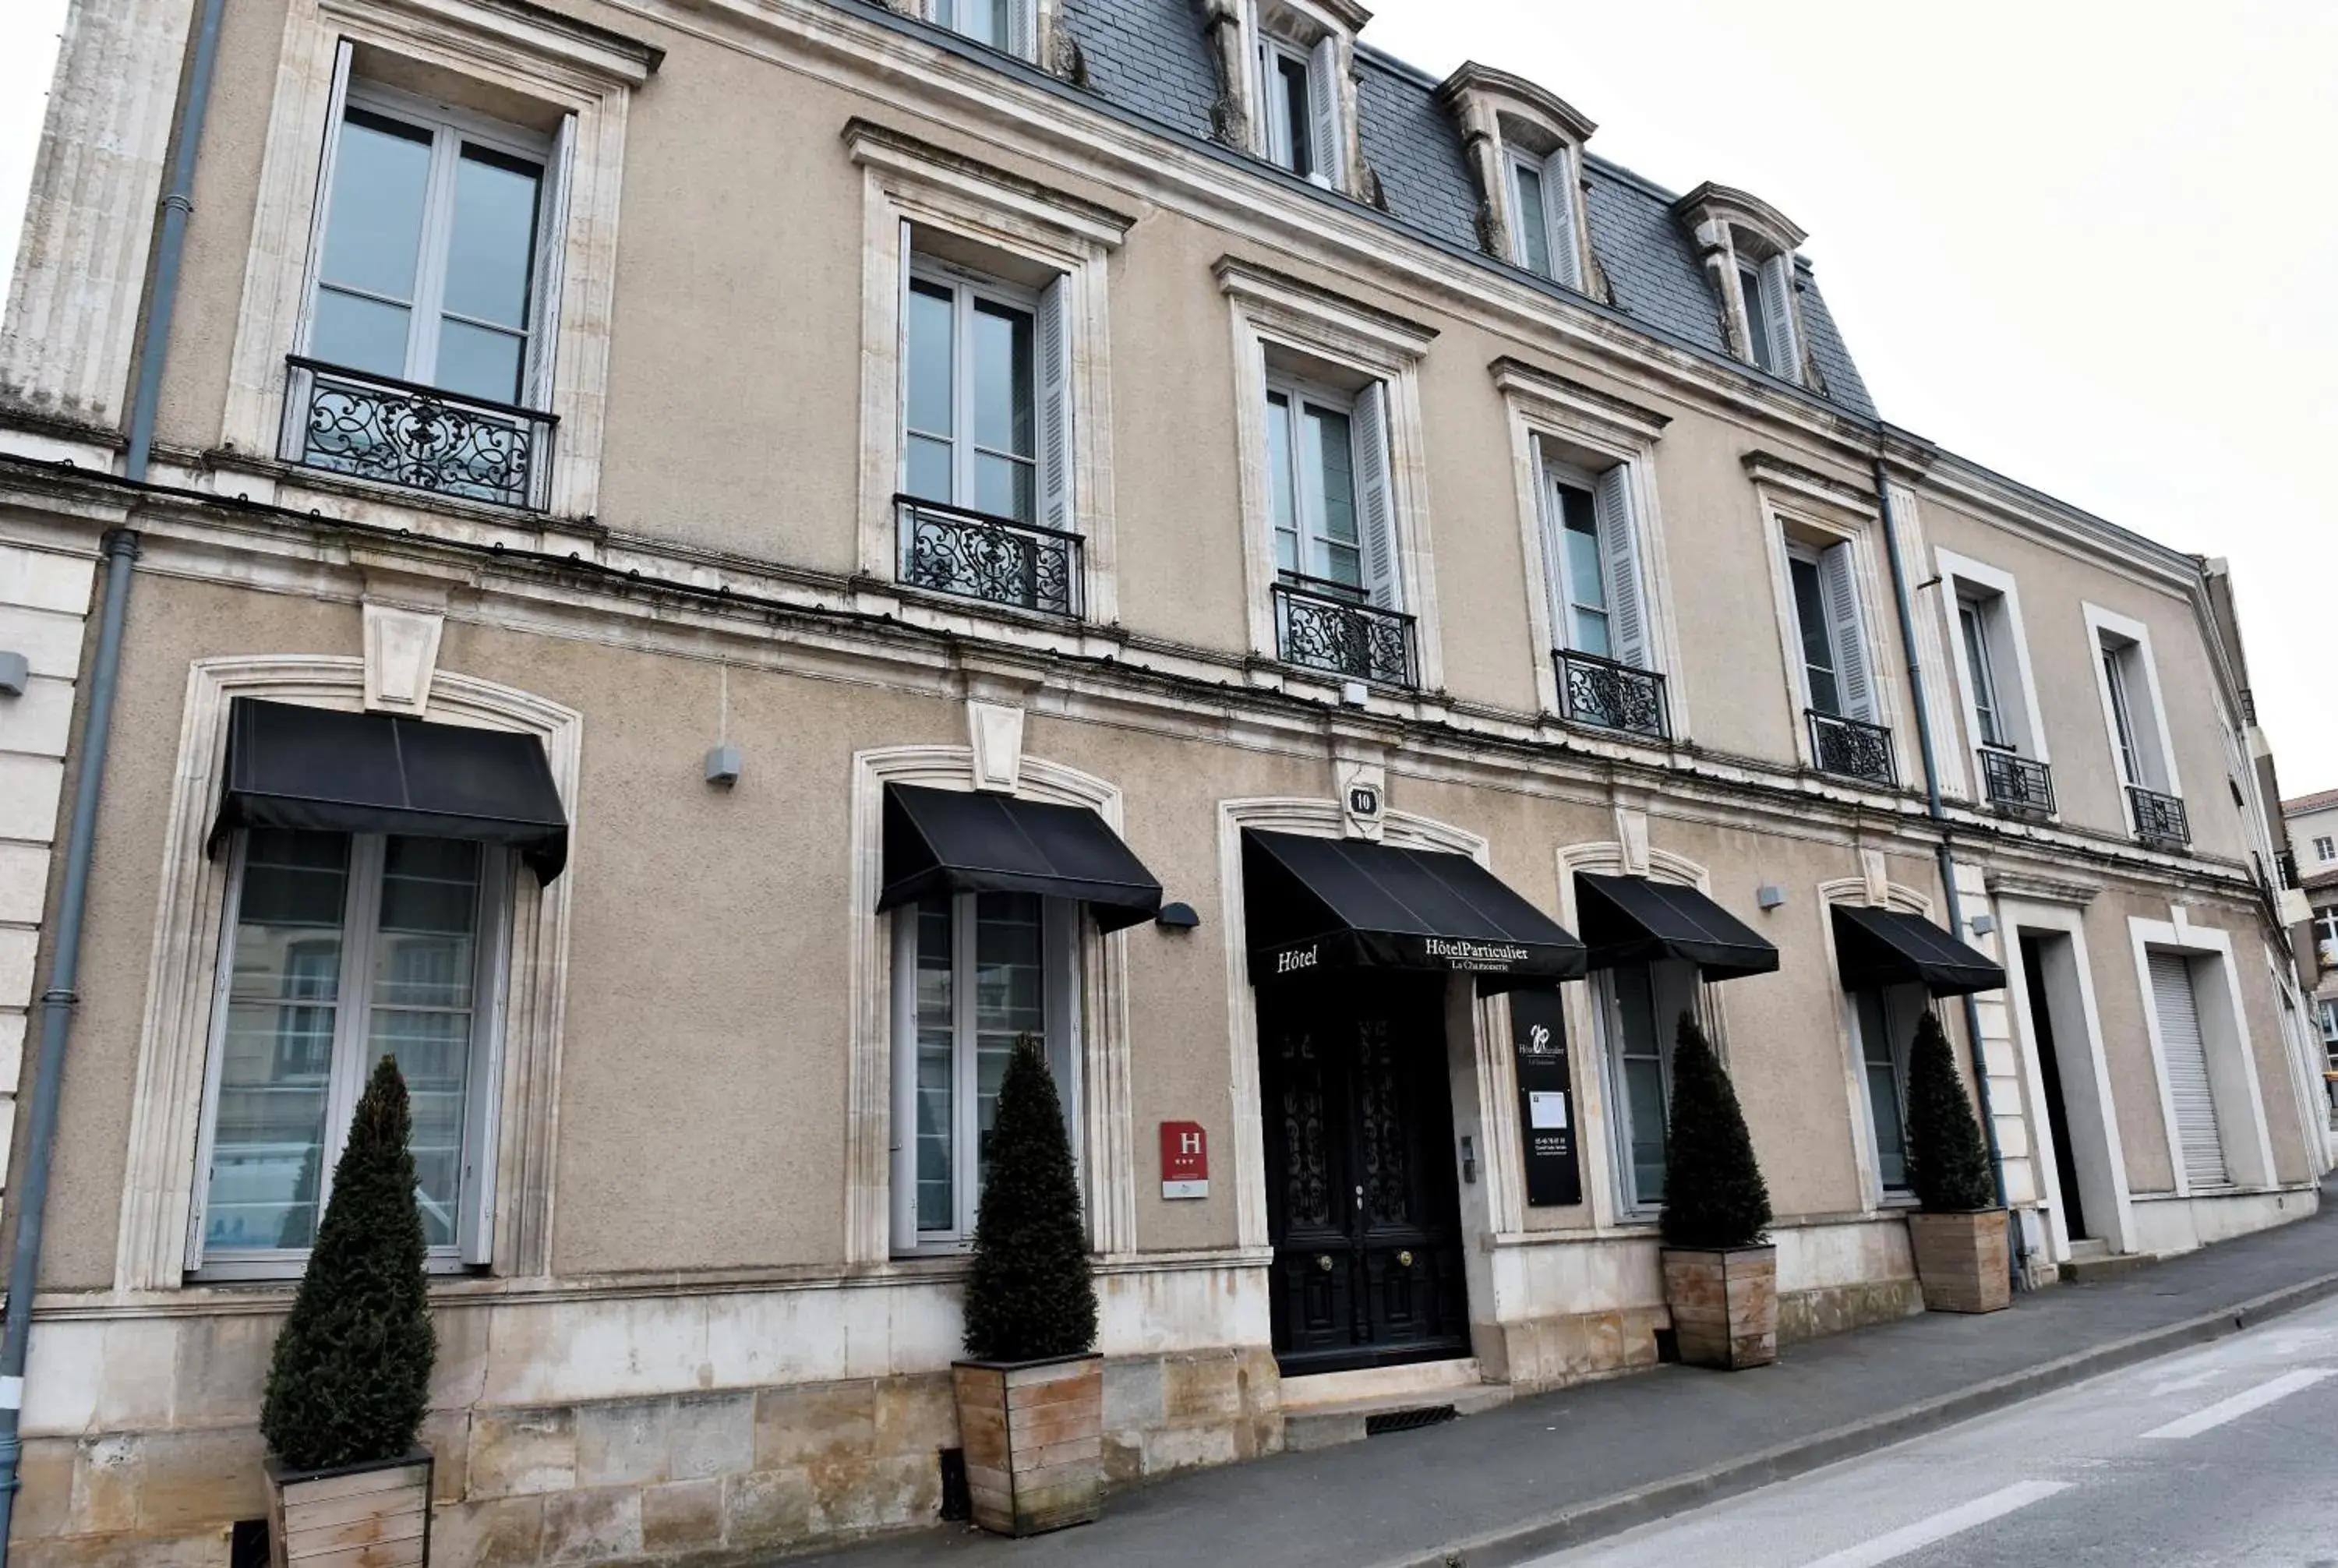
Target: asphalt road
2223	1455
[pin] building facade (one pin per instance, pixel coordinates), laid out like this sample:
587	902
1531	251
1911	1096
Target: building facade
708	563
2312	821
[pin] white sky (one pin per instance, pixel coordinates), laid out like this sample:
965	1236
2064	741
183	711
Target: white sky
2087	242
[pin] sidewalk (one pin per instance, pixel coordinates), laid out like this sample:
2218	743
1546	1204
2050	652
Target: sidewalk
1556	1468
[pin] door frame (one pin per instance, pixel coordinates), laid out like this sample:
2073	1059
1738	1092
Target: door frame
2095	1146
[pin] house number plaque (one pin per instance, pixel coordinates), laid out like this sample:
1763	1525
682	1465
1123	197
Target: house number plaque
1546	1099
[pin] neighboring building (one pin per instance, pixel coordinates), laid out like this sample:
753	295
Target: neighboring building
2312	821
1198	458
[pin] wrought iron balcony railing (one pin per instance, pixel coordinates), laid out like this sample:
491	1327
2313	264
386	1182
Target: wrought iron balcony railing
1613	696
399	433
1330	627
975	555
1853	748
2016	783
2158	818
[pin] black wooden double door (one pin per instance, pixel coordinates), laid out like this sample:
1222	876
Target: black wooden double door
1362	1201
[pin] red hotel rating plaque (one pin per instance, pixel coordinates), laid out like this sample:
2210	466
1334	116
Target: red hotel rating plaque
1184	1159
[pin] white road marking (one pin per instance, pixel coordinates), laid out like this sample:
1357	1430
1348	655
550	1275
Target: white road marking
2240	1405
1940	1527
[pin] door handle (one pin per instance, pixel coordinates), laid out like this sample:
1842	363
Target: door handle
1323	1261
1404	1260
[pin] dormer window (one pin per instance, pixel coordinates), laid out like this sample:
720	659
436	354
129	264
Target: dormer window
1748	248
1526	146
1299	127
1284	66
997	22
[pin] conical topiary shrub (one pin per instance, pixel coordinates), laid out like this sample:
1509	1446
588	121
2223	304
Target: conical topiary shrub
351	1375
1948	1163
1030	1295
1715	1197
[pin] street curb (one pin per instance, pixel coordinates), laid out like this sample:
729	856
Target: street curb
1610	1516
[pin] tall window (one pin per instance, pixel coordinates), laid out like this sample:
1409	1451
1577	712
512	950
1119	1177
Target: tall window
1767	290
2330	1027
983	412
1642	1005
2326	849
1980	658
1542	212
2133	717
429	268
974	971
346	949
1887	1028
1327	463
1592	552
2115	676
1300	112
1003	24
2325	934
1830	631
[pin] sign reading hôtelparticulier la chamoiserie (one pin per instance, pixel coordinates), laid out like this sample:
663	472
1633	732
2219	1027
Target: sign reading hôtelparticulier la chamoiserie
1546	1099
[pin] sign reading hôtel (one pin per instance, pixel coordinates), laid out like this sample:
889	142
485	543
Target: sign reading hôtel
1450	954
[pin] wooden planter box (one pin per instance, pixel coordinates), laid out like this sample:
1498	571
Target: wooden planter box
1960	1260
1033	1433
1724	1304
375	1515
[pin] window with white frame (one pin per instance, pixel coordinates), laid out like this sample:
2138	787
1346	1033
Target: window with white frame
1593	569
1767	289
1886	1019
1542	211
340	949
1008	25
2325	934
1831	631
1299	108
1327	462
972	974
1973	625
2326	848
1640	1008
2133	718
435	249
2329	1010
987	430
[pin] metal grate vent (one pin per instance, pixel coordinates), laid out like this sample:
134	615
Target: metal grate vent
1405	1420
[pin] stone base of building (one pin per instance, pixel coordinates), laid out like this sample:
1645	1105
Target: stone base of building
700	1478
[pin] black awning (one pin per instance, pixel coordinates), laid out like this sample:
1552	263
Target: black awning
950	841
319	769
1339	903
1885	947
1633	920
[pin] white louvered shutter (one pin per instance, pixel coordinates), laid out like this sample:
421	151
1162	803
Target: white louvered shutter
1778	315
336	108
1558	199
1023	29
1375	515
551	262
1553	563
901	365
2187	1071
1323	109
1619	557
1055	352
1839	577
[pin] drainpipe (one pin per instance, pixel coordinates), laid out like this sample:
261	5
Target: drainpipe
30	1198
2018	1254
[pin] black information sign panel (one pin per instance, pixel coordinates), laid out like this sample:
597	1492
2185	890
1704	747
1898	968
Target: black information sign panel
1546	1099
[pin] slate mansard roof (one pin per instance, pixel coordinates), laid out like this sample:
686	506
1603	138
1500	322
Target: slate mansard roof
1150	59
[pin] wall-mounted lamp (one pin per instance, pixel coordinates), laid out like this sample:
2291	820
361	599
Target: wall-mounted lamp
1983	924
15	670
1770	895
1177	917
722	765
